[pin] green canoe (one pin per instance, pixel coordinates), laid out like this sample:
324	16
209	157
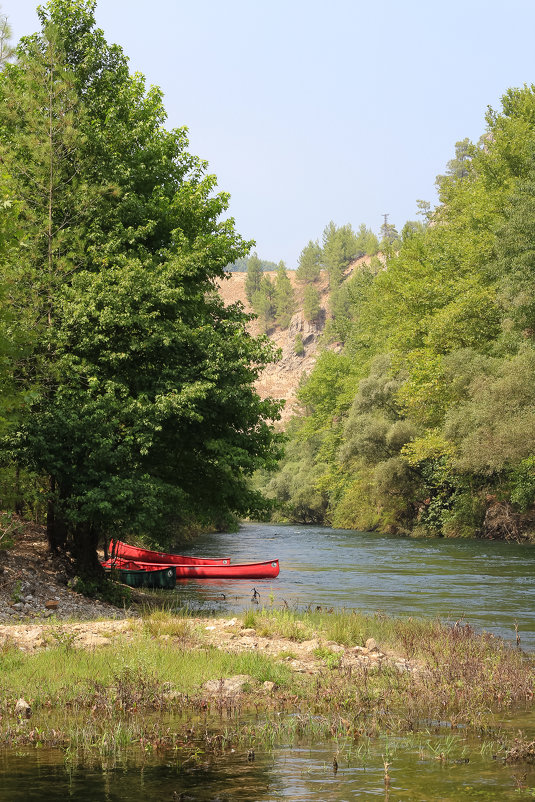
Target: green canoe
164	578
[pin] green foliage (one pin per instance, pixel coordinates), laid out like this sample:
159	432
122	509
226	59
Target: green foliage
137	382
10	527
311	304
522	483
263	302
427	415
253	280
299	347
309	266
284	297
340	247
367	242
102	588
495	427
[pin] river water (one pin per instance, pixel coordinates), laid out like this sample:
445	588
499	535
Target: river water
489	584
296	772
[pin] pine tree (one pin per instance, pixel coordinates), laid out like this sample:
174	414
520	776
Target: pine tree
309	267
311	304
254	277
284	297
339	249
299	347
263	302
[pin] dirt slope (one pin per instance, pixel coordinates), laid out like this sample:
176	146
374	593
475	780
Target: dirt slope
281	379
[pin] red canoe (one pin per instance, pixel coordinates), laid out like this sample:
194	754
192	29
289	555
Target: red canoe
124	551
265	570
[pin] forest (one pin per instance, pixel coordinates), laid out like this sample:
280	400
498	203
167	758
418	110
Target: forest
423	421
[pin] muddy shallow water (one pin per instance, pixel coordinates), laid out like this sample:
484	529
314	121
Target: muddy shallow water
300	772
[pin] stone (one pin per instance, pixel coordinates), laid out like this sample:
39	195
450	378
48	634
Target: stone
51	605
23	709
337	648
228	687
91	640
248	633
310	645
268	686
371	645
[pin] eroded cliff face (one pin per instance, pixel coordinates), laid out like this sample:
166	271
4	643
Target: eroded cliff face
281	379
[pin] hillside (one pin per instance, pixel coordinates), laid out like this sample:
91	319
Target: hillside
281	379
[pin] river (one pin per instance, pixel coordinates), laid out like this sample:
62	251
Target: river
488	584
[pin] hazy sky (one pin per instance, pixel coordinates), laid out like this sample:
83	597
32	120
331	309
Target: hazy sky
318	110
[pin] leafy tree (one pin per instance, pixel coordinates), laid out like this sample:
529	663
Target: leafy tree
455	313
6	48
309	266
459	165
144	415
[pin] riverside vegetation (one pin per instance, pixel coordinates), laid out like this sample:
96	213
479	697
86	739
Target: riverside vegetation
418	415
335	675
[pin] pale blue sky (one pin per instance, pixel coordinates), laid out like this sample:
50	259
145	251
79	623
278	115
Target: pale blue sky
312	110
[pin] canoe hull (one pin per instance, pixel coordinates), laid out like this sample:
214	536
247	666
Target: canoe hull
163	578
126	552
264	570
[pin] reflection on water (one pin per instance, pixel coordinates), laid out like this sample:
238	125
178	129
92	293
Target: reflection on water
490	584
300	773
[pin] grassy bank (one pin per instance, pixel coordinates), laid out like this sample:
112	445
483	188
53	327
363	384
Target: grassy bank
146	683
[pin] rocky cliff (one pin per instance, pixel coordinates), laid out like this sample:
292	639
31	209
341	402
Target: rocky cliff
281	379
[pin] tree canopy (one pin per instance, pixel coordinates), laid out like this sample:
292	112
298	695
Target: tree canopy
423	420
136	405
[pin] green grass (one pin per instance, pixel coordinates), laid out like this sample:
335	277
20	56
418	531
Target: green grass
279	623
141	669
162	663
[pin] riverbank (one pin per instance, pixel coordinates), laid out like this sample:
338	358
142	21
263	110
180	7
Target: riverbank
36	585
73	684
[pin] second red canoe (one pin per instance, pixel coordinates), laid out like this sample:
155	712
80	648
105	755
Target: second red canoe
264	570
124	551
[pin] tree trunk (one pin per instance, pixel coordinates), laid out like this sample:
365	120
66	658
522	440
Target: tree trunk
56	530
84	551
19	501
